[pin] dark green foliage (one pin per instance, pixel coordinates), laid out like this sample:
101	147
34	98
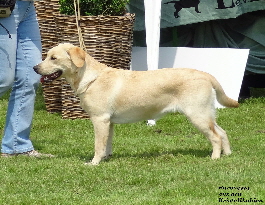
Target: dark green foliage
94	7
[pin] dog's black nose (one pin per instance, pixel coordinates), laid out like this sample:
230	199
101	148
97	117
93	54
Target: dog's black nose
36	68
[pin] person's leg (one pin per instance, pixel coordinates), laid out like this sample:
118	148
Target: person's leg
22	97
8	47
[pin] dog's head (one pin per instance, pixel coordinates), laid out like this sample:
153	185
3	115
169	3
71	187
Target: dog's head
61	61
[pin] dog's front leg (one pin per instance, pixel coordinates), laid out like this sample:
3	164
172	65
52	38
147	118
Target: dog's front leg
109	142
103	139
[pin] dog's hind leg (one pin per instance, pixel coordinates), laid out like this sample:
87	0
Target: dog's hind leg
225	142
206	124
103	138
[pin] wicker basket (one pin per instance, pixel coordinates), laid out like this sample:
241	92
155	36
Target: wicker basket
107	38
46	11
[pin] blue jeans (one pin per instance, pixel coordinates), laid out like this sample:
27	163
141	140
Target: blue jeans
17	58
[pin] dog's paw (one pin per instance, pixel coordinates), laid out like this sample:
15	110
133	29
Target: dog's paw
91	163
215	156
227	152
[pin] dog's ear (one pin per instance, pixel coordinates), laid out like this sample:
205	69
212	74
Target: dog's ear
77	56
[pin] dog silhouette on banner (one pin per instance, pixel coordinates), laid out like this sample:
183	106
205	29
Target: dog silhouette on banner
184	4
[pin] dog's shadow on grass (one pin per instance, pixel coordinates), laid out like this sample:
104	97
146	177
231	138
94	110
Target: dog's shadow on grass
148	154
151	154
157	153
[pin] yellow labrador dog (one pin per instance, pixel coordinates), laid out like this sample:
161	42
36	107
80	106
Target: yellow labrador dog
112	96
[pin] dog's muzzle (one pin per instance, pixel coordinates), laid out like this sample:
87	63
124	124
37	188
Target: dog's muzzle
49	77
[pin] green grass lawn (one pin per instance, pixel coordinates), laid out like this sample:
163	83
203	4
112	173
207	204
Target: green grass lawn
166	164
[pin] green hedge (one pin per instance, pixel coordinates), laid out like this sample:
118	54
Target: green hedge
94	7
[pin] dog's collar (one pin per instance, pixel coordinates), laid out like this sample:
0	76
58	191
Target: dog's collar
84	90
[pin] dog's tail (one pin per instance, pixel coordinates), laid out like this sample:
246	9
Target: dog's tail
222	98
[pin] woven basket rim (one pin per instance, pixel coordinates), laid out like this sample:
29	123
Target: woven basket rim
99	17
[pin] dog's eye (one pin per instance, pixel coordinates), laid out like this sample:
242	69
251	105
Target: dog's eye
53	58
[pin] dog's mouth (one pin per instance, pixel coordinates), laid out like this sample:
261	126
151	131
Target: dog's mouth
51	77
